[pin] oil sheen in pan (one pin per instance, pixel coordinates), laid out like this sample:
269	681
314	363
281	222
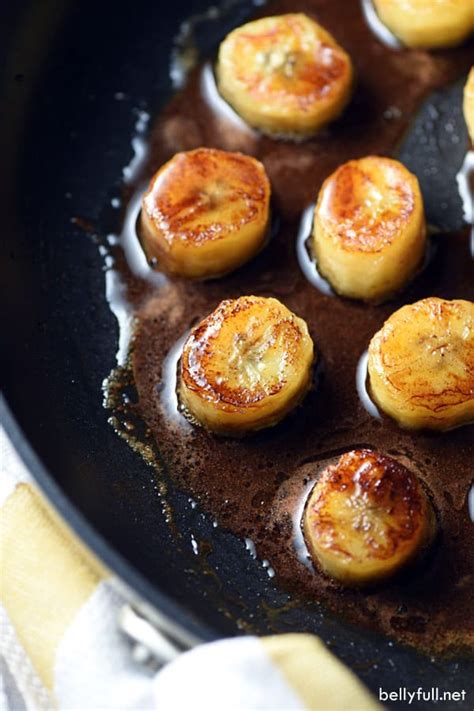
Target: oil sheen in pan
465	180
379	29
362	389
332	418
168	395
306	260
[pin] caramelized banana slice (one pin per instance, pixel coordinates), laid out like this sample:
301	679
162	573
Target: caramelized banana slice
468	104
206	212
369	232
428	23
284	75
366	518
245	366
421	364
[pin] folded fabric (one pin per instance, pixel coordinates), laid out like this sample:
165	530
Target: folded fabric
61	645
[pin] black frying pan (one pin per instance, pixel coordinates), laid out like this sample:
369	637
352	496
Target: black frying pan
67	138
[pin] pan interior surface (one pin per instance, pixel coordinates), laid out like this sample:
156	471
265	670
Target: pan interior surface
77	79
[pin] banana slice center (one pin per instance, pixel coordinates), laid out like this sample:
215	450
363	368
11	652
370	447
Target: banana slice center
277	60
254	358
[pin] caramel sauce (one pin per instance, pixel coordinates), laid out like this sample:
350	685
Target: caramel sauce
256	486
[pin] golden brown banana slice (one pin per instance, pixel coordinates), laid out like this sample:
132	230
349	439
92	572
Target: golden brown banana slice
468	104
369	234
366	518
245	366
206	212
284	75
421	364
428	23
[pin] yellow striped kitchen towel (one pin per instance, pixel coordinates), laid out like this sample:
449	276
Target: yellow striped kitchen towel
61	645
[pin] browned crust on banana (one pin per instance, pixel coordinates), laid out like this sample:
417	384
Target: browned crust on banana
176	194
198	374
316	76
462	388
386	485
339	204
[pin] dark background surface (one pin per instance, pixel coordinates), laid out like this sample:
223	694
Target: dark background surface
66	140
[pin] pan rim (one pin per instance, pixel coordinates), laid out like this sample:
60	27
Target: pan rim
173	619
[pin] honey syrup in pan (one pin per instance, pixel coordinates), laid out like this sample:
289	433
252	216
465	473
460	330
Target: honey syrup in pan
256	486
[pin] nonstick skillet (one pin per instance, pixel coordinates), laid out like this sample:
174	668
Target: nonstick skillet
75	76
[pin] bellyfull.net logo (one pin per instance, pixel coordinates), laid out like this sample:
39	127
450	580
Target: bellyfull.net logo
433	695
